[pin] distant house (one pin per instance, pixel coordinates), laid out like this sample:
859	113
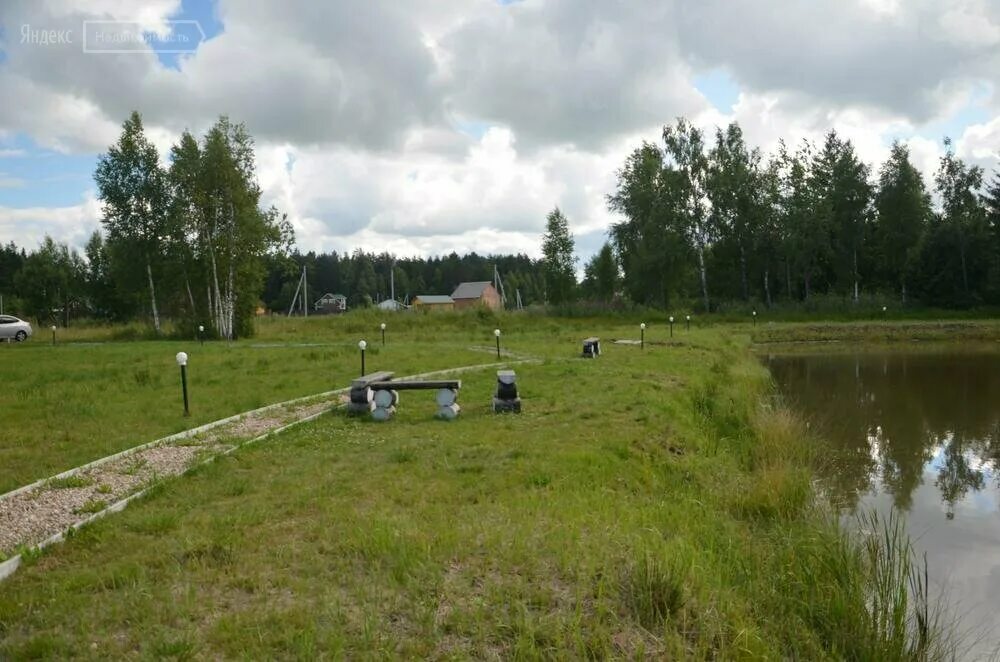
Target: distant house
434	302
330	304
479	293
391	304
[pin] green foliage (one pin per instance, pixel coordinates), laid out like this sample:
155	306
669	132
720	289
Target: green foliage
133	190
904	210
558	261
51	282
600	276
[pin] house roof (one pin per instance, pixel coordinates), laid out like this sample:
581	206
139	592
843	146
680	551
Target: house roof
390	304
330	296
472	290
435	298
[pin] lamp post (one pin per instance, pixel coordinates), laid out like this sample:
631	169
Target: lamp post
382	327
182	361
671	319
496	332
884	309
53	335
687	321
754	314
201	334
642	336
362	345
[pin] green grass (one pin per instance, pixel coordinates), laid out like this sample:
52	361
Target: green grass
851	334
645	504
69	482
67	405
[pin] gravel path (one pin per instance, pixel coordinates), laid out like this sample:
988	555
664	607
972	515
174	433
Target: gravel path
31	517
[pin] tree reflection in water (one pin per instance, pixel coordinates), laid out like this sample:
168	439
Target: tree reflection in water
896	419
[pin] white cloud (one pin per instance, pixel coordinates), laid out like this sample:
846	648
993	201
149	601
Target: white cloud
29	226
458	124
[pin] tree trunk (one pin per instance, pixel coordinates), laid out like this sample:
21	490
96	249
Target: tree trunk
805	281
743	273
904	291
216	294
767	287
965	272
187	285
208	300
704	277
855	276
788	278
152	297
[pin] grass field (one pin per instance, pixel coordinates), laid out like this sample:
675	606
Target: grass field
647	504
66	405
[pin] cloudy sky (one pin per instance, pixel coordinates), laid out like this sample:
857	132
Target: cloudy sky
426	127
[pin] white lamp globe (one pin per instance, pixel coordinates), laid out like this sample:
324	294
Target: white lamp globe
182	358
643	326
53	327
687	317
671	319
382	326
362	345
496	332
200	328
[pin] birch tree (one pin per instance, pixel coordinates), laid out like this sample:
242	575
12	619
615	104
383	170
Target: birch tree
685	146
958	185
233	234
133	189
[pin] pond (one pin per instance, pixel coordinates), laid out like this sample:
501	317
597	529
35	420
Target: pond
918	431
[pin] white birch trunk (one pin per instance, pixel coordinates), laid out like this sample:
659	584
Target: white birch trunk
767	287
704	276
855	276
152	297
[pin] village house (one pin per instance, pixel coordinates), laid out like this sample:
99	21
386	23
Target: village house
433	302
480	293
330	304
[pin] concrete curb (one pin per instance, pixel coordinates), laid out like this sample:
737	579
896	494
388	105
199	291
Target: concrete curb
10	566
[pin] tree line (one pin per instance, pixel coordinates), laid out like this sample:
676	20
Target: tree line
717	221
188	240
700	221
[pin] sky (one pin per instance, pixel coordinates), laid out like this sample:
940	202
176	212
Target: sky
423	128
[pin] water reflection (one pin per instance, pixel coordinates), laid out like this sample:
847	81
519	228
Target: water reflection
897	420
921	432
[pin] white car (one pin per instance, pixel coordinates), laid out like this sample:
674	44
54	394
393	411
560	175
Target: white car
12	328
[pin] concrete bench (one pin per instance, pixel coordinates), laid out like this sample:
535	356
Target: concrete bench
591	348
362	395
386	396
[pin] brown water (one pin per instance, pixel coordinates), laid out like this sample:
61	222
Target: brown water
919	432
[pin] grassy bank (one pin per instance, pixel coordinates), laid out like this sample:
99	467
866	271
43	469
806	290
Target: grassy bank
877	332
645	504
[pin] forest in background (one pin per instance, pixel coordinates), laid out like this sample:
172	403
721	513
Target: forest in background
705	222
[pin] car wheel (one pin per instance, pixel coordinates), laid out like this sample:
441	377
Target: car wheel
20	336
